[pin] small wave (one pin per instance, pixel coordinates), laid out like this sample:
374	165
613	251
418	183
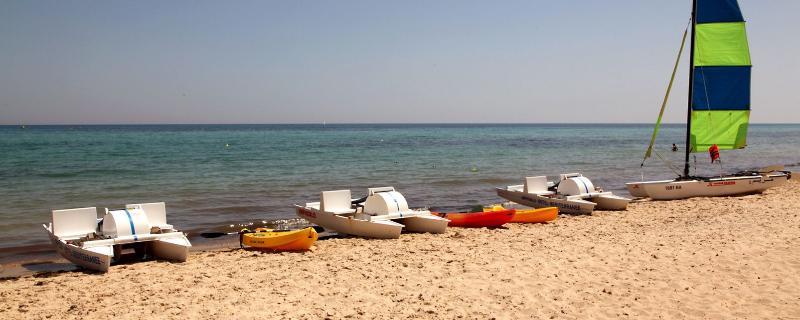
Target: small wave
87	172
467	182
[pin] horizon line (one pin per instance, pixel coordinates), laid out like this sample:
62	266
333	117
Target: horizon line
352	123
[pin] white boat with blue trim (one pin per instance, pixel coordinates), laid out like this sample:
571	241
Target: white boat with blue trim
382	214
83	239
572	193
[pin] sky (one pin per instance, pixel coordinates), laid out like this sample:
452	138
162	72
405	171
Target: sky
567	61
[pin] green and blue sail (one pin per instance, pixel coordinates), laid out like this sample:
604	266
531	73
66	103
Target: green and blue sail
720	71
720	102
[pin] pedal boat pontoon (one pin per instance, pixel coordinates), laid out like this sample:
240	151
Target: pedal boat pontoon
83	239
384	214
573	193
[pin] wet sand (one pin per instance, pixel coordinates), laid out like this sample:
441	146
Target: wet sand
697	258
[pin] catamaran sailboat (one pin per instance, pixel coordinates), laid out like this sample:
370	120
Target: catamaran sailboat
718	109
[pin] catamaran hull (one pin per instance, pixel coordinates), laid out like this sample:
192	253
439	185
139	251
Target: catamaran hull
174	247
536	201
429	224
347	225
610	202
97	259
718	187
636	189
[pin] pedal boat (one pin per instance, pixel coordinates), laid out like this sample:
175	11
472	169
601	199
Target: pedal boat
573	194
92	243
384	214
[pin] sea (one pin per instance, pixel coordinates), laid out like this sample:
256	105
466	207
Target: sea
221	176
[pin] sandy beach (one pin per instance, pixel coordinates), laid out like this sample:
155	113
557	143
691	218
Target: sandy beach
698	258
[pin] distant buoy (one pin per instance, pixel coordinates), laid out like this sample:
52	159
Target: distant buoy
227	145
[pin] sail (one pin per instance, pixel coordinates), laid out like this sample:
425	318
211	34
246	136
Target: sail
720	99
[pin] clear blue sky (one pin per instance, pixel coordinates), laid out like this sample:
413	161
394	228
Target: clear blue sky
368	61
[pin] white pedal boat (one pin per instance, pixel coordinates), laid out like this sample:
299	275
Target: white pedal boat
574	194
83	239
384	214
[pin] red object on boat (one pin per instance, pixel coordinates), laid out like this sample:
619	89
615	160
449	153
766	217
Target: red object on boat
713	151
478	219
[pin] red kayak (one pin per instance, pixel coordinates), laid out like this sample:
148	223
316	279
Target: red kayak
478	219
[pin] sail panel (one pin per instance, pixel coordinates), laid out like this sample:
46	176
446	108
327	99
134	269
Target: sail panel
721	88
721	44
727	129
718	11
720	100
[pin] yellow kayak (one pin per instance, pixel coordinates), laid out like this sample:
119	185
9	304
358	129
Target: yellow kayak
295	240
528	215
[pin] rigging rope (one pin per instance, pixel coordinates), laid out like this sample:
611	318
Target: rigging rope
666	96
668	163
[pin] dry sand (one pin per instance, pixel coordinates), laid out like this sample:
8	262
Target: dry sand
700	258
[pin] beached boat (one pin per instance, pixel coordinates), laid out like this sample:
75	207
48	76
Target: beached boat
718	109
526	214
572	193
83	239
478	219
383	213
294	240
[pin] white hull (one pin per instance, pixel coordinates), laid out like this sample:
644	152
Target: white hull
610	202
429	224
348	225
377	227
636	189
173	249
537	201
97	258
97	255
717	187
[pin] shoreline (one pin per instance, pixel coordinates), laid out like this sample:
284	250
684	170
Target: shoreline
730	257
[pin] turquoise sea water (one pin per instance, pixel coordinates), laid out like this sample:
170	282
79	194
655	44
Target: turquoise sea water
212	175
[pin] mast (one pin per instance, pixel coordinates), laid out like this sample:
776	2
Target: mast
688	147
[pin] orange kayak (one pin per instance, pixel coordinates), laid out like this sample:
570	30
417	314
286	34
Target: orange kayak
486	219
529	215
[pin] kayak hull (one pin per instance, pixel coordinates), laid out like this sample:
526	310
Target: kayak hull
531	215
296	240
490	219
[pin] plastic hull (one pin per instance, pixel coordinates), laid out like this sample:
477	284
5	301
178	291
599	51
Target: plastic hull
719	187
97	259
636	189
610	202
173	248
486	219
541	215
427	223
296	240
536	201
348	225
